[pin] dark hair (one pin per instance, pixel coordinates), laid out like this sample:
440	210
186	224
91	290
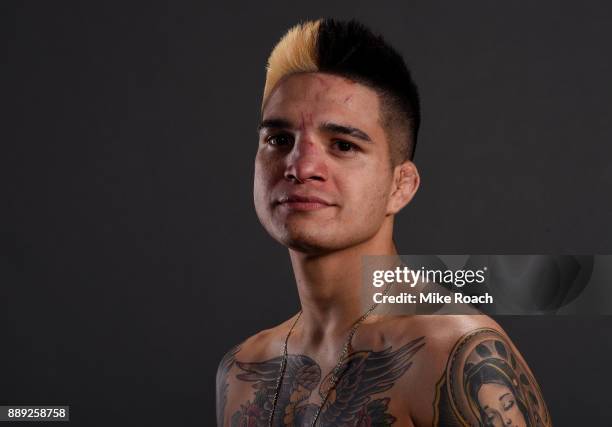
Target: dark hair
350	49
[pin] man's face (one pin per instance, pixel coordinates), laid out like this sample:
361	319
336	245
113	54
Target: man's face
323	176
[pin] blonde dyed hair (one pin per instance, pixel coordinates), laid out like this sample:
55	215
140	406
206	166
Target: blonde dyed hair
296	52
351	50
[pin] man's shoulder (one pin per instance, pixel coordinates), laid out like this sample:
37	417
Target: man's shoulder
455	346
260	346
441	332
469	352
438	337
442	336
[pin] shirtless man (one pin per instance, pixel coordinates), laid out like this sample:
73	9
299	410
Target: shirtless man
340	117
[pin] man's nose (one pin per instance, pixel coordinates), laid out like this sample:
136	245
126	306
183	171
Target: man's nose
306	161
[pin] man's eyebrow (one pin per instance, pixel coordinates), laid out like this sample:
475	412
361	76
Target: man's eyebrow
346	130
503	395
274	124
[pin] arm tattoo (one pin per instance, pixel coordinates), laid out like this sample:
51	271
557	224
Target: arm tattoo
486	384
224	367
362	375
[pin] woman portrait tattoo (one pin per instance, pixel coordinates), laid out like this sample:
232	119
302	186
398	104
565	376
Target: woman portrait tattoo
487	384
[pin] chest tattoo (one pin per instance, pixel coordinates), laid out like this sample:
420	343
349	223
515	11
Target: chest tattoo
354	402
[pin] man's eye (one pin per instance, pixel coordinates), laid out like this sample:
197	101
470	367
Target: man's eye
509	404
279	140
345	146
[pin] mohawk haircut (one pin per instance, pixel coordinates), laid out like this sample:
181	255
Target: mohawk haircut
351	50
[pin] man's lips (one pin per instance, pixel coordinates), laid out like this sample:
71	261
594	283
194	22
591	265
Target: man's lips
303	203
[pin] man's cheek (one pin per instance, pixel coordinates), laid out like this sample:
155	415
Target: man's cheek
377	192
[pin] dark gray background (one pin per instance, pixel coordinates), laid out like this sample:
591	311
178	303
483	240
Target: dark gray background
131	256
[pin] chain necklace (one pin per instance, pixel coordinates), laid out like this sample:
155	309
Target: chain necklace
335	373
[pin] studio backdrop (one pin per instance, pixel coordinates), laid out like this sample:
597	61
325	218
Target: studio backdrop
131	257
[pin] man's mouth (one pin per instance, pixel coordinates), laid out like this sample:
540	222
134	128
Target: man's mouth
303	203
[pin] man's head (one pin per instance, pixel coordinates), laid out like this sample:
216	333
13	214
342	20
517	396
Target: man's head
340	116
351	50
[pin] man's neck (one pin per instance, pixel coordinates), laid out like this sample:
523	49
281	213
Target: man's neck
330	288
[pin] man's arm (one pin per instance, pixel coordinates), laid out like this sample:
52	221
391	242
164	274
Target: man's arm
223	370
486	382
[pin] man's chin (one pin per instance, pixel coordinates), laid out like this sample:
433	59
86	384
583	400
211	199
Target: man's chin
311	236
315	242
307	244
310	240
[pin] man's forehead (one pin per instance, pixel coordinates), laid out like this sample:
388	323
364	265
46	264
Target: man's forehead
309	95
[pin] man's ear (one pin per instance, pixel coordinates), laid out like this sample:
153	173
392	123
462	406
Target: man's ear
405	184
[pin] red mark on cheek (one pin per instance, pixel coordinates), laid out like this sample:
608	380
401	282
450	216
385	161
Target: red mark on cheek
348	98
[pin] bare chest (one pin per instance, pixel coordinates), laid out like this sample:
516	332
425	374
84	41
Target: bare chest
368	390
